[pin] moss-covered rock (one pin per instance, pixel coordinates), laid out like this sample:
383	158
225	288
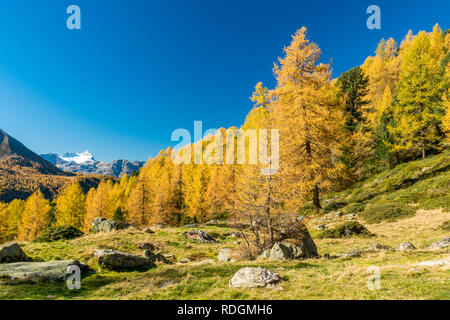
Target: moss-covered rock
347	229
59	233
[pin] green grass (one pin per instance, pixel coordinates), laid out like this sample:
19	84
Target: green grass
446	226
386	205
398	193
391	212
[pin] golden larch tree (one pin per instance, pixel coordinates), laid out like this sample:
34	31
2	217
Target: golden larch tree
35	217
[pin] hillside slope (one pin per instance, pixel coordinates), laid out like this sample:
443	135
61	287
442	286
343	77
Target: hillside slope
22	172
420	189
397	193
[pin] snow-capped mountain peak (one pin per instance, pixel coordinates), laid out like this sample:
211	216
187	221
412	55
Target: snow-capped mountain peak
79	158
84	162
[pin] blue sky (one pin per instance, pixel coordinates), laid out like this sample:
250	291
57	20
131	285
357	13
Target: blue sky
140	69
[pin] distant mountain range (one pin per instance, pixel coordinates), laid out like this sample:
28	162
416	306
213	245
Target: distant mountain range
84	162
22	172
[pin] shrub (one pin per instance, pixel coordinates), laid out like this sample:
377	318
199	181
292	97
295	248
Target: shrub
389	212
187	220
118	215
59	233
347	229
446	225
354	208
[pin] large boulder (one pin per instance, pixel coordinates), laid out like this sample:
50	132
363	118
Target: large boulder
12	252
104	225
35	272
200	236
115	260
254	277
279	251
289	251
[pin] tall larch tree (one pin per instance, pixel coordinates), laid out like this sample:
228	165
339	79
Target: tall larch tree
310	118
418	110
139	205
98	203
11	217
258	196
71	207
35	217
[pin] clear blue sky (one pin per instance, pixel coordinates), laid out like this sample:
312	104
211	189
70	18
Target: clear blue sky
140	69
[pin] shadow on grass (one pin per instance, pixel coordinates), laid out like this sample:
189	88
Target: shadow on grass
55	290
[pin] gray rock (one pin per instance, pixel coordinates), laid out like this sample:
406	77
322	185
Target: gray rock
12	252
199	235
185	260
444	243
191	225
352	254
146	246
355	253
435	263
254	277
155	257
224	255
378	247
114	259
34	272
288	251
405	246
321	227
351	217
103	225
215	221
169	256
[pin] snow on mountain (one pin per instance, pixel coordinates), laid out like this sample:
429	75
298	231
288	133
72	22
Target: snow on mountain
79	158
84	162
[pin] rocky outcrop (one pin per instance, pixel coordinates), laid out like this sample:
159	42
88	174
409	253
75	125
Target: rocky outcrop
12	252
84	162
103	225
406	246
354	253
435	263
254	277
378	247
155	257
35	272
200	236
116	260
289	251
444	243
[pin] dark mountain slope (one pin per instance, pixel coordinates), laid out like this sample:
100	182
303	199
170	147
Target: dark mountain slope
22	172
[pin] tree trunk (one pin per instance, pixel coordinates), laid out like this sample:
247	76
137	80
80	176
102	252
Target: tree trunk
316	200
423	150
